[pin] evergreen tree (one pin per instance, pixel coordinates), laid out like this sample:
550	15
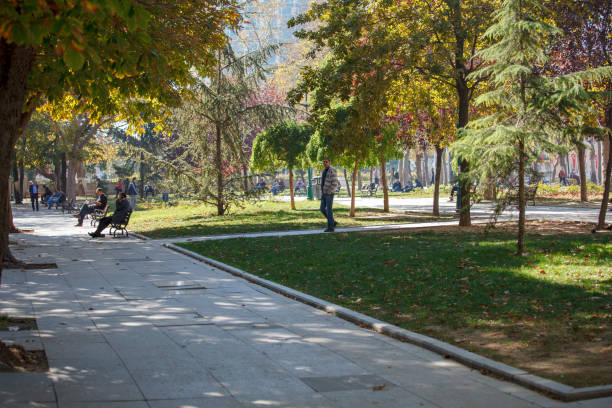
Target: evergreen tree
525	102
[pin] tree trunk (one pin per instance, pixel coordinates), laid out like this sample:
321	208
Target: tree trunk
64	171
15	66
291	189
220	204
71	180
355	169
426	182
383	180
21	180
601	161
520	244
143	169
445	167
359	182
346	181
419	167
607	173
408	165
582	170
371	175
245	178
593	163
436	202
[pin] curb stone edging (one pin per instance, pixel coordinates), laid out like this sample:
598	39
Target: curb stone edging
512	374
139	236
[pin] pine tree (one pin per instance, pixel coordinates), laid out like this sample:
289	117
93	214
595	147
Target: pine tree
524	101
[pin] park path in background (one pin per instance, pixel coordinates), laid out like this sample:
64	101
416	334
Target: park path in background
128	323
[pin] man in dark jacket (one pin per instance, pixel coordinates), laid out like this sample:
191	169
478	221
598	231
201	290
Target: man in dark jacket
122	209
34	195
100	204
329	185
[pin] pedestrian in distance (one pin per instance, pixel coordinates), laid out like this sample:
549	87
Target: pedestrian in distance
329	185
118	188
34	195
132	191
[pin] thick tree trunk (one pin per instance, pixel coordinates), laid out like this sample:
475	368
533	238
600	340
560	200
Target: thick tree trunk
520	243
582	171
355	169
71	180
15	66
436	202
63	174
21	180
419	167
348	190
607	172
384	183
291	189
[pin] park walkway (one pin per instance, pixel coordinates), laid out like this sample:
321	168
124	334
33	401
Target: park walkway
129	323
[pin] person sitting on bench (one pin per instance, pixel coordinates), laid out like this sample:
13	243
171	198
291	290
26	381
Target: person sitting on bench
89	208
122	206
56	199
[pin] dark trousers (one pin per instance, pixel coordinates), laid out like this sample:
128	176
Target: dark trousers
85	210
103	223
34	198
327	200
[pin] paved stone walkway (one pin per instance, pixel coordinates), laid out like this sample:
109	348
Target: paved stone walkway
128	323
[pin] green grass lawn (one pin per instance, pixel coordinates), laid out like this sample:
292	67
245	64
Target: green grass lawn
548	312
155	220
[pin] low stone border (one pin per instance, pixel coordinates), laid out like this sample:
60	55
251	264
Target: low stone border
558	390
139	236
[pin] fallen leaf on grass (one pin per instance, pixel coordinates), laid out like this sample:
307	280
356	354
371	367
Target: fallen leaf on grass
379	387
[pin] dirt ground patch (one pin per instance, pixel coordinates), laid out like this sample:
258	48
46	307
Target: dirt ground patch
15	358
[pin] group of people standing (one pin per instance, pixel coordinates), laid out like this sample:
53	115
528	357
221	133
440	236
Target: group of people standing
129	188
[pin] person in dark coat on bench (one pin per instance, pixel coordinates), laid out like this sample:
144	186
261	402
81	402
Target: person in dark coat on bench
90	208
122	207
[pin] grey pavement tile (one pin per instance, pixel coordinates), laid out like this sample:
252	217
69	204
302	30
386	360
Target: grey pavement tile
280	400
31	404
596	403
98	382
26	387
76	352
104	404
176	381
392	397
156	319
457	393
345	383
211	402
65	324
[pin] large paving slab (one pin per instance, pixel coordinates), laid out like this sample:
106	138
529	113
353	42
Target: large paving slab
129	323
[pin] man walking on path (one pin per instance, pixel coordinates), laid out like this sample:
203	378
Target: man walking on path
329	184
132	191
34	195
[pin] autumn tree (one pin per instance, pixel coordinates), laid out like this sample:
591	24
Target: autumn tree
100	50
587	44
281	145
